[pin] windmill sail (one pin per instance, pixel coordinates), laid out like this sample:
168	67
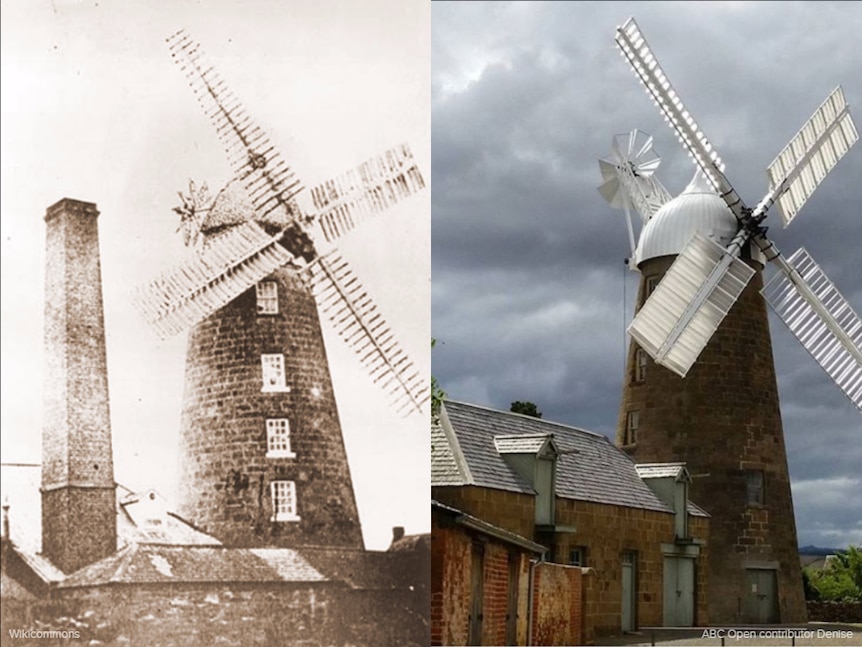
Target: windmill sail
821	319
811	154
225	268
269	181
689	303
355	317
637	52
373	186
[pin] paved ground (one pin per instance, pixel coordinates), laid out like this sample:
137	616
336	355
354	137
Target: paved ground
815	634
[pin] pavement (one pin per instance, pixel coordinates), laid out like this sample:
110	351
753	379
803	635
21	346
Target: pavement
814	634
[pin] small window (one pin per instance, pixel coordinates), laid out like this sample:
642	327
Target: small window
754	487
640	364
273	373
578	556
267	298
284	501
632	421
278	438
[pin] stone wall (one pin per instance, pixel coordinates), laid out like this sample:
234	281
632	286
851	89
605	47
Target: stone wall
844	612
605	532
510	510
187	615
723	420
225	473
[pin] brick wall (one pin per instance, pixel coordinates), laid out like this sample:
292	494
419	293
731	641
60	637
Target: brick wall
723	419
451	594
77	461
225	473
558	609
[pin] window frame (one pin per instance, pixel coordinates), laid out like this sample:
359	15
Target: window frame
278	429
280	383
267	303
758	501
641	359
284	501
582	556
631	431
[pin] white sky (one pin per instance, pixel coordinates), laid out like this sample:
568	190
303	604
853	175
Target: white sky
93	108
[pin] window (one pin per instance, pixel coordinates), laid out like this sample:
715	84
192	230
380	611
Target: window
278	438
640	364
754	487
631	435
284	501
273	373
267	298
578	556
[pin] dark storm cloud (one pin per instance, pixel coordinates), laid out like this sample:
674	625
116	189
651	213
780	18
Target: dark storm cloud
530	294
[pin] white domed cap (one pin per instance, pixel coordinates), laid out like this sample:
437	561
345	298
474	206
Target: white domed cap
698	209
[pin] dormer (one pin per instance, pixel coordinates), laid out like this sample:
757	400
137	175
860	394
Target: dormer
670	482
534	458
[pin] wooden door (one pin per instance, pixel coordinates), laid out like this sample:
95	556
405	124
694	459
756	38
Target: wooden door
629	611
477	592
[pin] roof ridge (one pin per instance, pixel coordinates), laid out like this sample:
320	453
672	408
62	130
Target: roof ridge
532	418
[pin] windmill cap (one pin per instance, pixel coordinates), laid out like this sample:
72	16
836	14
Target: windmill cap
698	209
233	206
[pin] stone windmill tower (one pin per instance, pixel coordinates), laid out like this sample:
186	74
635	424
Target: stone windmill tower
700	384
262	457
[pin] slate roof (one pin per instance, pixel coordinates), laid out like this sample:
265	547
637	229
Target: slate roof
445	468
142	563
470	521
596	471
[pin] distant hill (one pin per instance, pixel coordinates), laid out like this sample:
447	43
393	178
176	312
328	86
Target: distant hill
817	550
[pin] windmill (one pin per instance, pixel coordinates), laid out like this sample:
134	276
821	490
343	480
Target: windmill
696	293
262	459
630	181
700	384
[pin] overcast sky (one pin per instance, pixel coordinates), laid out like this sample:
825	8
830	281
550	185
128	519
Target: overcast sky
530	294
93	108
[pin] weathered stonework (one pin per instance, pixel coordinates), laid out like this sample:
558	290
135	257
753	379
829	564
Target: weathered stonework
723	420
225	474
78	490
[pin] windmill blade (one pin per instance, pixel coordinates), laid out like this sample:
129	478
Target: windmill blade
811	154
270	182
629	175
355	317
689	303
373	186
637	52
227	266
820	318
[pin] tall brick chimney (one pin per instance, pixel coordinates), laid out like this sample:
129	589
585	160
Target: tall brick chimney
79	524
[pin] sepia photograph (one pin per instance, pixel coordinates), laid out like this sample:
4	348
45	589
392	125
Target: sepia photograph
215	323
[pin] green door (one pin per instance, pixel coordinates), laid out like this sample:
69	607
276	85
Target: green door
678	597
761	597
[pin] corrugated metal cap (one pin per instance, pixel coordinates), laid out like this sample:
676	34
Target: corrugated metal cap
698	209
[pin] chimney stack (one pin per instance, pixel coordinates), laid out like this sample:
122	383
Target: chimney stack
397	533
79	522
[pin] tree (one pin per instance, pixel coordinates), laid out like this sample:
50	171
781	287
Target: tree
437	394
840	578
526	408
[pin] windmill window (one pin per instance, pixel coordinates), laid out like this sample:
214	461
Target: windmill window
283	501
267	298
578	556
632	422
754	487
278	438
272	367
640	365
